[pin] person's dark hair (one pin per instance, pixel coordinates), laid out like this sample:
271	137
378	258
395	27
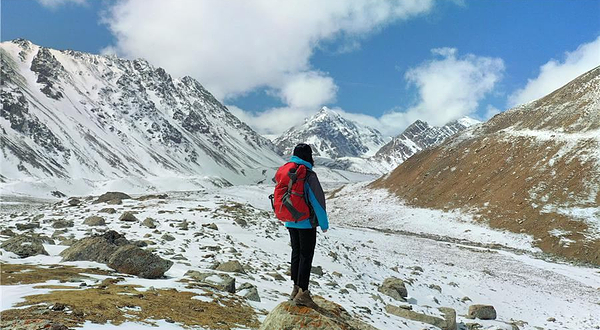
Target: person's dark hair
304	152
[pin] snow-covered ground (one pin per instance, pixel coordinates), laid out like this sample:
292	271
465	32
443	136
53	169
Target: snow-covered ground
439	272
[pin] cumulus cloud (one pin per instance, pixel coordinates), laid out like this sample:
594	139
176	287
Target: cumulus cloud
554	74
57	3
233	47
308	90
449	87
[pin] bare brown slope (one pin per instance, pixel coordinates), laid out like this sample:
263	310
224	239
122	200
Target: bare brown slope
517	170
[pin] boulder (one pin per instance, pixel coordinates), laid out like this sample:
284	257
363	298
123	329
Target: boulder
27	226
94	221
97	248
74	201
168	237
24	246
329	316
62	224
108	210
232	266
482	312
128	216
149	222
249	291
114	250
130	259
448	322
112	196
222	282
395	288
317	270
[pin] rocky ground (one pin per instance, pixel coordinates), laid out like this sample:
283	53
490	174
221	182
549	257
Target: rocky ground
217	259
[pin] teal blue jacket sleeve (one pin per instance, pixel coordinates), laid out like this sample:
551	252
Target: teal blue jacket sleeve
316	198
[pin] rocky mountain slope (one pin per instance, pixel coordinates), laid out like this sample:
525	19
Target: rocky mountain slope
417	137
332	136
533	169
79	118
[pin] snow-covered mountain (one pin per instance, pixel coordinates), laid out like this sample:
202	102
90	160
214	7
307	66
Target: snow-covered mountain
332	136
416	137
70	115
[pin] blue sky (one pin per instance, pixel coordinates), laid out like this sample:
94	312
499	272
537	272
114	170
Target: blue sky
378	72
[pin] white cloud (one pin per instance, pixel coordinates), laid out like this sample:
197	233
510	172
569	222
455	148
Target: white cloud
554	74
233	47
449	87
308	90
273	121
57	3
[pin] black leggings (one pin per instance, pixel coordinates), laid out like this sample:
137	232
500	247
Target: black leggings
303	249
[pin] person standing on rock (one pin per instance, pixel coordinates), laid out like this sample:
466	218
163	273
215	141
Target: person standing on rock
299	202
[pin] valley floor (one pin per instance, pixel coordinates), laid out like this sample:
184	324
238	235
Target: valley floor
445	259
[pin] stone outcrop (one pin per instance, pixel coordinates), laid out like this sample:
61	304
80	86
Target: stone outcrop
329	316
114	250
395	288
24	246
448	322
482	312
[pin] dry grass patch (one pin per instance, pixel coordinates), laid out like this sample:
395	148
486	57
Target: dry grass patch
109	302
11	274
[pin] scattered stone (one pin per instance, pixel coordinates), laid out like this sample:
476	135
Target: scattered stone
395	288
24	246
276	276
27	226
435	287
232	266
241	222
551	319
351	286
465	299
329	316
168	237
222	282
212	226
115	202
140	243
130	259
7	232
57	194
317	270
111	196
251	292
62	224
446	323
114	250
94	221
74	201
150	223
482	312
154	196
183	225
108	210
128	216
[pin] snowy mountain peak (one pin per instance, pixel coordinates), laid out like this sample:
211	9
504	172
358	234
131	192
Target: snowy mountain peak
74	115
332	136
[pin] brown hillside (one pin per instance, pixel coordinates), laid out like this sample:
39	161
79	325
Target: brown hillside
534	169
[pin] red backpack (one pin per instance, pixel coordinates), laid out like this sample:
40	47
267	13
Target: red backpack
288	201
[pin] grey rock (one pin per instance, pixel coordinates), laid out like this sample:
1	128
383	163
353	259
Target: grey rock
27	226
24	246
446	323
7	232
395	288
130	259
128	216
74	202
150	223
62	224
317	270
222	282
108	210
168	237
97	248
482	312
232	266
94	221
251	292
111	196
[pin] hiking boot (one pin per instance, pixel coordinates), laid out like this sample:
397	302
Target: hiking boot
294	292
303	299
